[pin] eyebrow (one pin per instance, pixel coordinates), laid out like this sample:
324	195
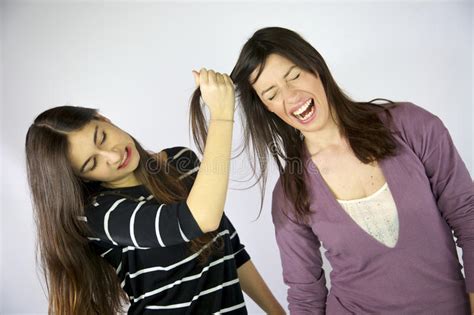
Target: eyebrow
95	142
286	74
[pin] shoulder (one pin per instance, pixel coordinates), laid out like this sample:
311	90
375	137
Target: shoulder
181	156
174	153
408	109
184	160
420	129
409	117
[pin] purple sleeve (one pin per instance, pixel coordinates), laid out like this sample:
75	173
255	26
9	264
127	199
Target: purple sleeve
450	181
301	259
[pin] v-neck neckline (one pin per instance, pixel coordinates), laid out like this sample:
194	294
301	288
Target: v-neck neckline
367	198
384	167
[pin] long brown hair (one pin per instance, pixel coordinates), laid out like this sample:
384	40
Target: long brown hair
78	280
266	134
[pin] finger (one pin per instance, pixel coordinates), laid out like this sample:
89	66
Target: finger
219	78
227	79
196	77
203	76
211	76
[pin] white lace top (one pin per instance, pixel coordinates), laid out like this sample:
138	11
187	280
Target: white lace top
376	214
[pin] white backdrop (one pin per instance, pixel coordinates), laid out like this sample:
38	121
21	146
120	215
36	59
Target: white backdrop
133	61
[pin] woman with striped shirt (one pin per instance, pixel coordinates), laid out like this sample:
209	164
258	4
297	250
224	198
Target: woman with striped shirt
117	223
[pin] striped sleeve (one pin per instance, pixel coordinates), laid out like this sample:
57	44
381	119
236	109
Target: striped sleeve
185	161
142	224
240	254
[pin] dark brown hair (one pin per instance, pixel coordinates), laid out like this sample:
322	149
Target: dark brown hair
266	134
78	280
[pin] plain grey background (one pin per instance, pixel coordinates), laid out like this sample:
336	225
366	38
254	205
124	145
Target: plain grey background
133	61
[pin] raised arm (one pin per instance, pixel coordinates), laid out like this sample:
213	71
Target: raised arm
147	223
207	197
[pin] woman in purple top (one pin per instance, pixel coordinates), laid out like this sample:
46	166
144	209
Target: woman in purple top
380	186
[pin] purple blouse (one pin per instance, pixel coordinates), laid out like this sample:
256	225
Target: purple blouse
434	195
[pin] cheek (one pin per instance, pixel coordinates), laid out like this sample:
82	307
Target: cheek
274	107
279	110
266	105
135	163
269	108
324	109
321	94
135	157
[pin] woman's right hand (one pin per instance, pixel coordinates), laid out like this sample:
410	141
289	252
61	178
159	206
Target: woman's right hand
217	91
207	197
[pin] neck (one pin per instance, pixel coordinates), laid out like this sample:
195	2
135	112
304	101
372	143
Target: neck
330	135
129	181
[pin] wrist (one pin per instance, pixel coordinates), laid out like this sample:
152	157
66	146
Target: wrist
223	120
223	115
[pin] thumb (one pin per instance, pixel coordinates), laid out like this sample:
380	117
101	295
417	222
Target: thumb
196	77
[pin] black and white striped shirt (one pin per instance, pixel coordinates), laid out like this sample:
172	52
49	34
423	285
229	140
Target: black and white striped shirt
147	243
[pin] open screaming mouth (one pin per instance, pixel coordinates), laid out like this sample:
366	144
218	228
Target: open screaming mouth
305	111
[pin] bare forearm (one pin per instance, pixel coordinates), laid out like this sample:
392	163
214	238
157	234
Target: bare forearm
254	286
207	197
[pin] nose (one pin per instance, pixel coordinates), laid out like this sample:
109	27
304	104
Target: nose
111	156
289	94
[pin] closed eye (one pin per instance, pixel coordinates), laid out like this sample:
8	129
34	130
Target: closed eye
296	77
104	136
94	165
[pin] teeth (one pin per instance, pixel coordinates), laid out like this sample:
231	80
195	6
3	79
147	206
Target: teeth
307	115
302	108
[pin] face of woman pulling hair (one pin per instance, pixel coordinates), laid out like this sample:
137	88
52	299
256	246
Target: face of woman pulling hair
295	95
102	152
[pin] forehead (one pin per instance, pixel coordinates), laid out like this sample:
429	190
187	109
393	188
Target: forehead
80	135
274	68
81	143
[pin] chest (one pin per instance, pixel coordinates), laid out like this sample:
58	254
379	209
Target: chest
346	176
417	212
